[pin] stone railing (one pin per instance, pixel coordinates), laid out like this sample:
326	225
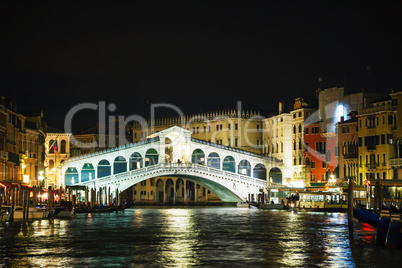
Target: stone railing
178	169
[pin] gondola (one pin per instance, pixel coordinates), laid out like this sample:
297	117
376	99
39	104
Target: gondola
366	216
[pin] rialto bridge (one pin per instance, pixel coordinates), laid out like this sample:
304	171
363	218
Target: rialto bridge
231	174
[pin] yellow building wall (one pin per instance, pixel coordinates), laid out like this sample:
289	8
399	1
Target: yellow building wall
374	162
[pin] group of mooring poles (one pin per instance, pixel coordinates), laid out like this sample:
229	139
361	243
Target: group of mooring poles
102	196
22	196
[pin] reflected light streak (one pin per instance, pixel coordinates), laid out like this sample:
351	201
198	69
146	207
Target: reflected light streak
181	238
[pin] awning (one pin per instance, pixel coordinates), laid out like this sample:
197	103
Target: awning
7	184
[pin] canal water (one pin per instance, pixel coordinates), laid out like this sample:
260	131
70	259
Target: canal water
184	237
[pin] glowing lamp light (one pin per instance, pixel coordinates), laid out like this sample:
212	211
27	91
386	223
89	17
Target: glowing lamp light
25	178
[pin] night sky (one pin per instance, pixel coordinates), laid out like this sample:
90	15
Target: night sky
198	55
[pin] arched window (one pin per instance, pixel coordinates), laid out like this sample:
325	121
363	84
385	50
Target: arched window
63	147
135	161
244	168
275	175
307	161
71	176
260	172
119	165
214	160
198	157
229	164
87	172
151	157
104	168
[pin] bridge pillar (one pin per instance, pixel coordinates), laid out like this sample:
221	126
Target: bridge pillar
185	190
196	192
174	191
164	192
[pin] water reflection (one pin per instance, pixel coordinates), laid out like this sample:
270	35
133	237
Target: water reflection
212	237
180	238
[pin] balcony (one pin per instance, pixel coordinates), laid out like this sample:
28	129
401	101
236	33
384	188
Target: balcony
351	156
396	162
376	109
372	165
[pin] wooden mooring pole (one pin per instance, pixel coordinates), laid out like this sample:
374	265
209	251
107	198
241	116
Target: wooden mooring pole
350	208
24	203
117	200
13	196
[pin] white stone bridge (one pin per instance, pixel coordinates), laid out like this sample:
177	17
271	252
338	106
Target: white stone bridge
231	174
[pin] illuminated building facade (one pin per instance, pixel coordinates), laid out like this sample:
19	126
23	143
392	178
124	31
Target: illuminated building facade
21	144
348	140
242	129
396	161
52	174
321	153
376	125
85	141
277	142
35	148
300	113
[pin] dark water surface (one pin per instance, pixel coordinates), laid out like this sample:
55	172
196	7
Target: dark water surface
183	237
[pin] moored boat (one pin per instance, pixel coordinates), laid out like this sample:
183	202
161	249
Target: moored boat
64	210
366	216
65	213
33	213
242	205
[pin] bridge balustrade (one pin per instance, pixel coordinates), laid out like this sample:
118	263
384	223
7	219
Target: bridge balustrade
227	175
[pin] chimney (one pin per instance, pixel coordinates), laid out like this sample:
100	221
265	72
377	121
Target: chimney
342	119
280	107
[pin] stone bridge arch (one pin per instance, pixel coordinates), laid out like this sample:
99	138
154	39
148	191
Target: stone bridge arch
229	187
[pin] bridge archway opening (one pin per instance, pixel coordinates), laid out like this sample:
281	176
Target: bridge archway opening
119	165
229	164
87	172
275	175
260	172
244	167
71	176
159	197
104	168
135	161
151	157
213	160
190	186
169	190
180	190
198	157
